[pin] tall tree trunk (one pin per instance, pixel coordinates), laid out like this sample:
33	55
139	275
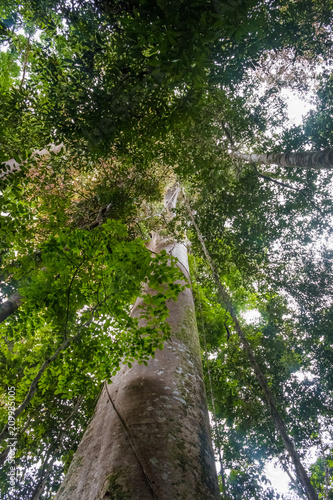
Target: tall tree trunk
150	436
306	159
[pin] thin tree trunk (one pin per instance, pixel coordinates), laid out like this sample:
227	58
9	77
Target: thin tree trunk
150	436
34	384
224	488
3	455
307	159
326	467
9	306
48	466
292	479
279	424
5	452
47	469
327	481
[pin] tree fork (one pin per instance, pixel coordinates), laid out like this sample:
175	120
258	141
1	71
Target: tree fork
279	423
150	436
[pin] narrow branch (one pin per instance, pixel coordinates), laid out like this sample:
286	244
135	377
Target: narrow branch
47	467
224	486
227	133
278	183
26	55
5	452
283	184
210	384
34	383
3	455
68	295
64	253
292	479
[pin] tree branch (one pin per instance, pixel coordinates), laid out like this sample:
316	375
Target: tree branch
34	383
227	133
307	159
283	184
26	55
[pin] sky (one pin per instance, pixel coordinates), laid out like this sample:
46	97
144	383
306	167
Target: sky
278	478
297	107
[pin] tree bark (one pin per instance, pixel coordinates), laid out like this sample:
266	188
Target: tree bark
11	305
150	436
307	159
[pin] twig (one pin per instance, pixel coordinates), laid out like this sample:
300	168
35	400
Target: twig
68	295
26	55
283	184
227	133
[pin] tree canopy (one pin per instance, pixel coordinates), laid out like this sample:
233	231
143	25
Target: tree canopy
104	106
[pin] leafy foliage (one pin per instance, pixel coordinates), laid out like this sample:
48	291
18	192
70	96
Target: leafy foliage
136	95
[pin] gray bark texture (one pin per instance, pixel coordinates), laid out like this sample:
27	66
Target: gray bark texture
150	435
306	159
9	306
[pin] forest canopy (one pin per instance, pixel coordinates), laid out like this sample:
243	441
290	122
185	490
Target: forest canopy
104	107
